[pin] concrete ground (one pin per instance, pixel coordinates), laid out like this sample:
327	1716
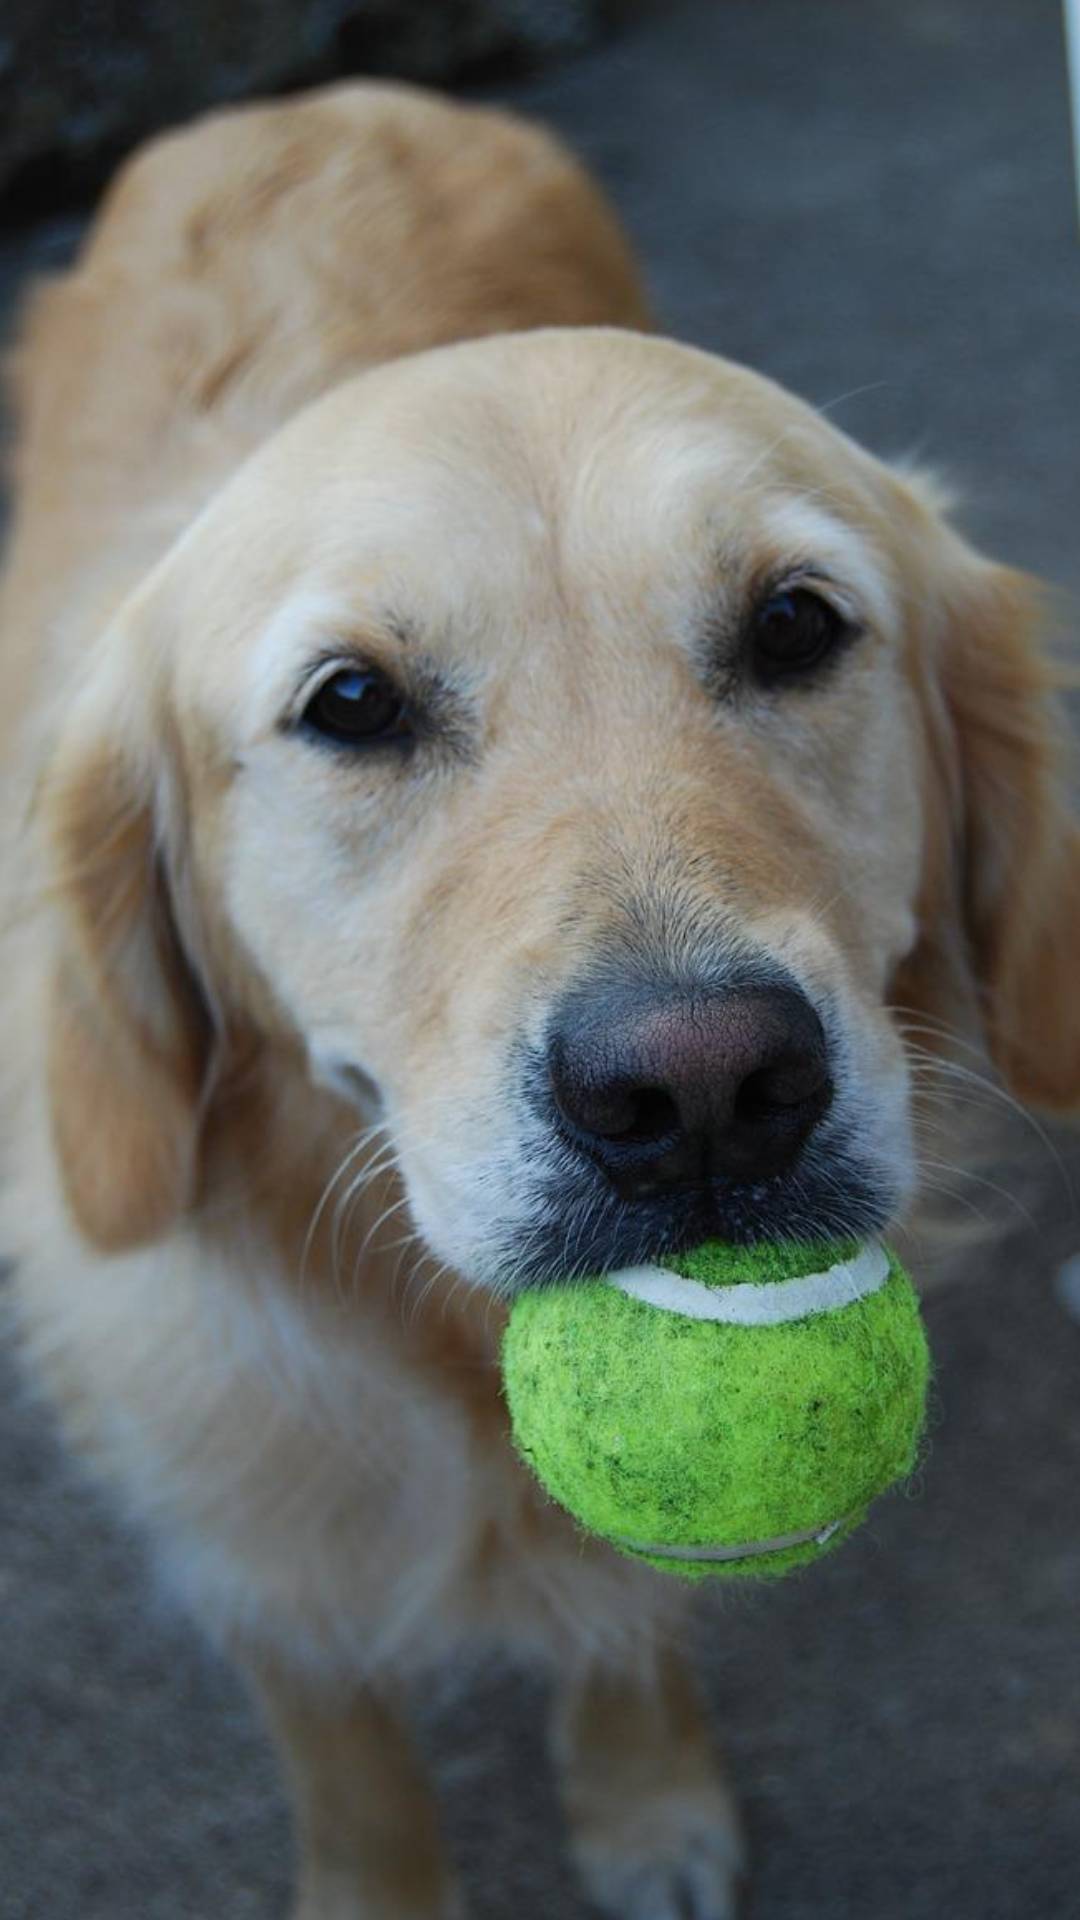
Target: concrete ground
873	204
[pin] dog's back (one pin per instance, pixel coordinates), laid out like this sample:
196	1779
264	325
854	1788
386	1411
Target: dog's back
239	269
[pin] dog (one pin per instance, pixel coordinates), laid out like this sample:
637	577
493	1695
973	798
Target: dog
491	795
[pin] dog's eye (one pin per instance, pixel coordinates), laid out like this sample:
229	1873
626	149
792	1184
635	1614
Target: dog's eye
794	631
357	706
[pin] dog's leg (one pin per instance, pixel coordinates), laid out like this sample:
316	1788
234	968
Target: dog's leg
655	1827
367	1824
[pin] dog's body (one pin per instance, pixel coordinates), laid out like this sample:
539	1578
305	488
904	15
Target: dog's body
216	1277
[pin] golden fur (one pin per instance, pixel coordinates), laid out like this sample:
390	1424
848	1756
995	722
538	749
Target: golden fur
228	952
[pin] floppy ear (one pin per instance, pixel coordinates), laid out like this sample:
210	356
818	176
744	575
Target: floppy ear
129	1034
1015	843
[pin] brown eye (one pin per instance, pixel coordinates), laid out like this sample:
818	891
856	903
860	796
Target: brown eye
356	708
794	631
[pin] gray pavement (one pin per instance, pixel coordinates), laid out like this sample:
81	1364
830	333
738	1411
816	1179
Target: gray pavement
873	204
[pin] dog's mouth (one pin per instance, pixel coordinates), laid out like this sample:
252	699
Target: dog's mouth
654	1118
540	1208
578	1226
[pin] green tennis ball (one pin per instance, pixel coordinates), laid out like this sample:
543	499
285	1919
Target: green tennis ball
732	1411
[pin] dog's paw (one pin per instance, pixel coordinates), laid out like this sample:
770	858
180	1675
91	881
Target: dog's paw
676	1857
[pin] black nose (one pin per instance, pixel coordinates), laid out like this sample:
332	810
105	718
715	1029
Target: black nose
666	1089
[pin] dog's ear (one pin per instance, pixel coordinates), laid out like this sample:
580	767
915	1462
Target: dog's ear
129	1032
1013	888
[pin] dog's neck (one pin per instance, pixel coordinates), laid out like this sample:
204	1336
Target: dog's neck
291	1164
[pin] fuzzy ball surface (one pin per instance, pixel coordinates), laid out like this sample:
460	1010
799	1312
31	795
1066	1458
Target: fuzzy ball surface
711	1447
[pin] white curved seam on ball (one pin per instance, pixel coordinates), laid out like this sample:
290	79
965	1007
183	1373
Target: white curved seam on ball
764	1303
750	1550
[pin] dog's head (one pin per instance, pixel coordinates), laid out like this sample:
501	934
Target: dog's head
580	751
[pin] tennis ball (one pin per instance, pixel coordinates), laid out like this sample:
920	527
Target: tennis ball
731	1411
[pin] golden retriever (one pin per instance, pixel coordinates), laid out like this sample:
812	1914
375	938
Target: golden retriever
487	792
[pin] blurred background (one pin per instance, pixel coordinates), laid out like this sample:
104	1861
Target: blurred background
874	204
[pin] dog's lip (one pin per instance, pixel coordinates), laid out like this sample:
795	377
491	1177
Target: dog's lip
680	1224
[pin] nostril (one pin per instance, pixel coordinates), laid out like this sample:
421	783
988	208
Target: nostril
754	1099
774	1090
622	1114
655	1116
795	1093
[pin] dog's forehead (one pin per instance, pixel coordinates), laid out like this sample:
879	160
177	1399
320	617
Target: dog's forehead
490	486
576	424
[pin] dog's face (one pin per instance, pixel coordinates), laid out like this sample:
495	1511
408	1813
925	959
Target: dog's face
564	739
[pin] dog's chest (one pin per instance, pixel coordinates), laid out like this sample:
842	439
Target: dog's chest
314	1487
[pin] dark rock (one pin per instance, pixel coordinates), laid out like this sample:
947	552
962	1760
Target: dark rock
81	80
